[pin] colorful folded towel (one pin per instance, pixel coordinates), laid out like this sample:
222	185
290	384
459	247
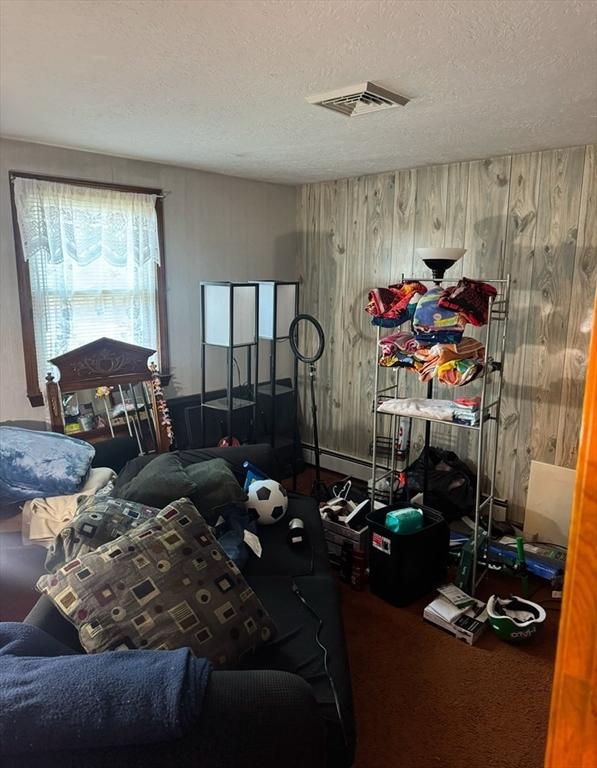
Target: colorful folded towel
381	301
428	359
435	324
401	341
392	304
397	350
459	372
470	298
442	353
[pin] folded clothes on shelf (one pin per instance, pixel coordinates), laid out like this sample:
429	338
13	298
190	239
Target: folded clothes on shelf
466	410
396	360
397	349
435	324
428	359
457	373
419	407
394	305
469	419
470	298
468	403
401	341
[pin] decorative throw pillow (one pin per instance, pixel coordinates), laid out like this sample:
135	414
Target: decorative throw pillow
161	481
99	519
216	488
165	584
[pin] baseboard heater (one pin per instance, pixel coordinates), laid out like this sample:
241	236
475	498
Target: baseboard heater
343	463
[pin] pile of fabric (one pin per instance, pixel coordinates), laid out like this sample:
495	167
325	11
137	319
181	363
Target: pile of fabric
439	359
452	363
442	410
467	410
442	309
397	349
48	474
44	517
435	324
436	347
126	698
392	306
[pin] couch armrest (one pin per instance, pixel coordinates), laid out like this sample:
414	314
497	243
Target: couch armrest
272	720
249	719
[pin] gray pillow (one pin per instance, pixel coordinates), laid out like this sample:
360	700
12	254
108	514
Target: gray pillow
99	519
215	488
161	481
166	584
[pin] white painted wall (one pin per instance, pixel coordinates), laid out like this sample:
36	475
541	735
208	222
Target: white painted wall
216	228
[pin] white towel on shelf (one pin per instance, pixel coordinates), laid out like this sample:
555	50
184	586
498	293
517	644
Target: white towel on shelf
43	519
419	407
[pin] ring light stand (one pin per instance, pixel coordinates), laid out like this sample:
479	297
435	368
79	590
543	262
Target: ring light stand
319	490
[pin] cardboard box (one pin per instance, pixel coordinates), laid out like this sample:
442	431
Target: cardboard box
336	534
466	624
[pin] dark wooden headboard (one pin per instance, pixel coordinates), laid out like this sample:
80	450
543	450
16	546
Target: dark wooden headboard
107	363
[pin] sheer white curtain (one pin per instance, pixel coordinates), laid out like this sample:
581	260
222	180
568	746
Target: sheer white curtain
92	257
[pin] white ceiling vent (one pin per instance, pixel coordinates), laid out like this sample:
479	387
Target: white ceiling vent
359	99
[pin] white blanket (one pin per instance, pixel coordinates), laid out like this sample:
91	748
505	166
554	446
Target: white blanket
43	519
419	406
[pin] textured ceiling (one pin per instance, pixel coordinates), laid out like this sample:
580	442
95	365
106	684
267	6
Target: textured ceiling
221	85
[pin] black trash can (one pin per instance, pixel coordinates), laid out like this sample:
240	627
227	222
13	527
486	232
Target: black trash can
404	567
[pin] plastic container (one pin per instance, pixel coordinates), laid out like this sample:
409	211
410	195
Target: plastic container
405	566
409	520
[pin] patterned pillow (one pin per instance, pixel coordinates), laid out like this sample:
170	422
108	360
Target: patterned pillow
99	519
166	584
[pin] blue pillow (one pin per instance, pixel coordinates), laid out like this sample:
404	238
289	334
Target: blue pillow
38	464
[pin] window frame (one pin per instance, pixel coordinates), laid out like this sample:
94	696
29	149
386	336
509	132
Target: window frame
34	393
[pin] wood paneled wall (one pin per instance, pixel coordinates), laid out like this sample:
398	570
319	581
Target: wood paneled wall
533	216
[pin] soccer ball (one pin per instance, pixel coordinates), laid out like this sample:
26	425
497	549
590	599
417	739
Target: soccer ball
267	500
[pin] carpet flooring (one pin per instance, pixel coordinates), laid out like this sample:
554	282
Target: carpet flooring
422	698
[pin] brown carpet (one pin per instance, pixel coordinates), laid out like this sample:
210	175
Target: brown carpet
424	699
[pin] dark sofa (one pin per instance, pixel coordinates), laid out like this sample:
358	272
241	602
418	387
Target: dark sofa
280	710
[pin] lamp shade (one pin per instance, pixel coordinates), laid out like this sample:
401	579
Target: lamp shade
277	308
229	314
440	259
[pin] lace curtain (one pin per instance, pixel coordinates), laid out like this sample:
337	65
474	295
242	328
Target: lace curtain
93	256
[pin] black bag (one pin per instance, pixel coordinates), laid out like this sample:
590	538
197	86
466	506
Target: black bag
450	483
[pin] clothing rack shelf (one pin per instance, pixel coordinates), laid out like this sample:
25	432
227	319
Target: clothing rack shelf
489	414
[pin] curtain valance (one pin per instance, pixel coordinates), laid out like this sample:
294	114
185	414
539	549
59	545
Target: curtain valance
59	221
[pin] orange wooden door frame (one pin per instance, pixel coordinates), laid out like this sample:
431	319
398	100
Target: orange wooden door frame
572	733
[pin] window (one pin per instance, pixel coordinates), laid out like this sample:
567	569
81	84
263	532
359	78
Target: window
90	263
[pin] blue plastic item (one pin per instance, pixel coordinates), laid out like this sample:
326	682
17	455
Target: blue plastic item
407	520
253	474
